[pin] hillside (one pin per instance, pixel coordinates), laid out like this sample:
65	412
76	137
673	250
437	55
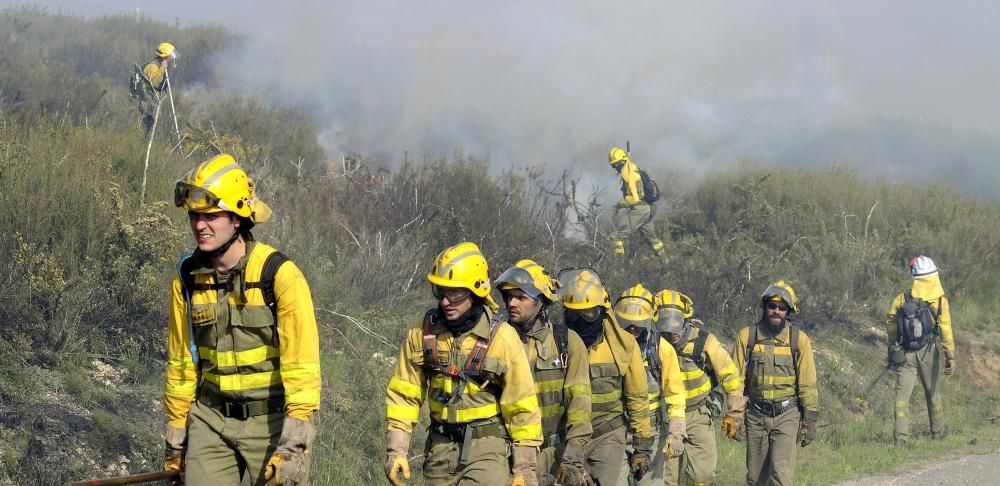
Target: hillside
88	262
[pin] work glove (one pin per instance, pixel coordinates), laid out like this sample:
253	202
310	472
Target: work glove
523	465
572	469
175	444
807	428
674	445
641	459
733	421
949	362
397	448
289	465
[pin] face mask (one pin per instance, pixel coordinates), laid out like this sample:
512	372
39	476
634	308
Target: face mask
589	330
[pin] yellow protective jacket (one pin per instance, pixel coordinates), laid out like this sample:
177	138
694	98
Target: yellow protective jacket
929	290
156	78
671	380
772	375
618	381
562	383
697	383
243	355
631	181
508	388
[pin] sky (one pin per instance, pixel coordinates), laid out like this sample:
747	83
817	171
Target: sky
905	90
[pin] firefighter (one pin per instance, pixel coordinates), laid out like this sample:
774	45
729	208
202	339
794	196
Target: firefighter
632	212
704	363
910	356
775	360
471	367
243	368
617	380
635	311
153	84
559	363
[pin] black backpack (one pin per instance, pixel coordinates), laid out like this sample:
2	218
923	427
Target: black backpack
916	323
650	191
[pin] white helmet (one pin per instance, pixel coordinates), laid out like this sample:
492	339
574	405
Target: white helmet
922	266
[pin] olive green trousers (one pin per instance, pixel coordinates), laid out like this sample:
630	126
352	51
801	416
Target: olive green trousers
488	461
700	453
606	455
636	218
924	364
222	450
655	474
771	447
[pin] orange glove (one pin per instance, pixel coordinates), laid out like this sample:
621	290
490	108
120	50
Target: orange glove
729	427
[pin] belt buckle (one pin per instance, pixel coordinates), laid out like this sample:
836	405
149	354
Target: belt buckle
236	410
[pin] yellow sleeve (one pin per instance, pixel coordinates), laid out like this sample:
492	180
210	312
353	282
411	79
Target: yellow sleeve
406	392
725	369
181	377
890	318
631	185
518	399
944	325
576	391
808	393
298	342
740	354
637	396
672	382
155	76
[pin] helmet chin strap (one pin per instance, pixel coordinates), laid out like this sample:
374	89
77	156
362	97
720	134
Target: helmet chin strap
218	252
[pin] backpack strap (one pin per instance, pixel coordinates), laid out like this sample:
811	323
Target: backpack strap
430	342
699	349
270	269
474	363
751	342
653	355
561	334
187	283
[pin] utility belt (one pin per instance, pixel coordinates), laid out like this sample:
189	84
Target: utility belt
465	432
772	409
609	426
243	409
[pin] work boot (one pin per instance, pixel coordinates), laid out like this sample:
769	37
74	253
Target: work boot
941	434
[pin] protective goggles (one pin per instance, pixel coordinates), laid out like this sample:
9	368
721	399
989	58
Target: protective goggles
518	278
195	198
670	319
454	295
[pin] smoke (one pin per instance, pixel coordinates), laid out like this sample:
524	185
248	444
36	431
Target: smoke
900	89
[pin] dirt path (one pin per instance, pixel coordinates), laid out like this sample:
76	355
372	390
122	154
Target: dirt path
975	469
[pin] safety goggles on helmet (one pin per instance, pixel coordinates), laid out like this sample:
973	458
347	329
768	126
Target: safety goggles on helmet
197	199
519	278
670	319
569	275
454	295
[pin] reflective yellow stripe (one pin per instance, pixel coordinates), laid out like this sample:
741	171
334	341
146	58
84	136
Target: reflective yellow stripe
693	374
772	394
444	383
181	364
704	388
578	390
779	380
524	405
606	397
577	416
239	358
778	350
405	413
300	370
245	382
653	406
405	388
467	415
548	386
552	410
525	432
181	388
653	396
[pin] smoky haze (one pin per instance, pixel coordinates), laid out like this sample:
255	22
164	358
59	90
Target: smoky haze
904	90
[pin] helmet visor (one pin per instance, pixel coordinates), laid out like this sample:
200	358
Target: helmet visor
519	278
194	198
670	320
568	275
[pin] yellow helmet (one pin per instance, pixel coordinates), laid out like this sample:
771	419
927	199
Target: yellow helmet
586	291
461	266
780	291
531	278
616	155
219	184
635	307
166	50
673	309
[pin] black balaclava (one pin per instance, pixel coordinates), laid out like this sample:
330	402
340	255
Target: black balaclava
589	332
466	321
